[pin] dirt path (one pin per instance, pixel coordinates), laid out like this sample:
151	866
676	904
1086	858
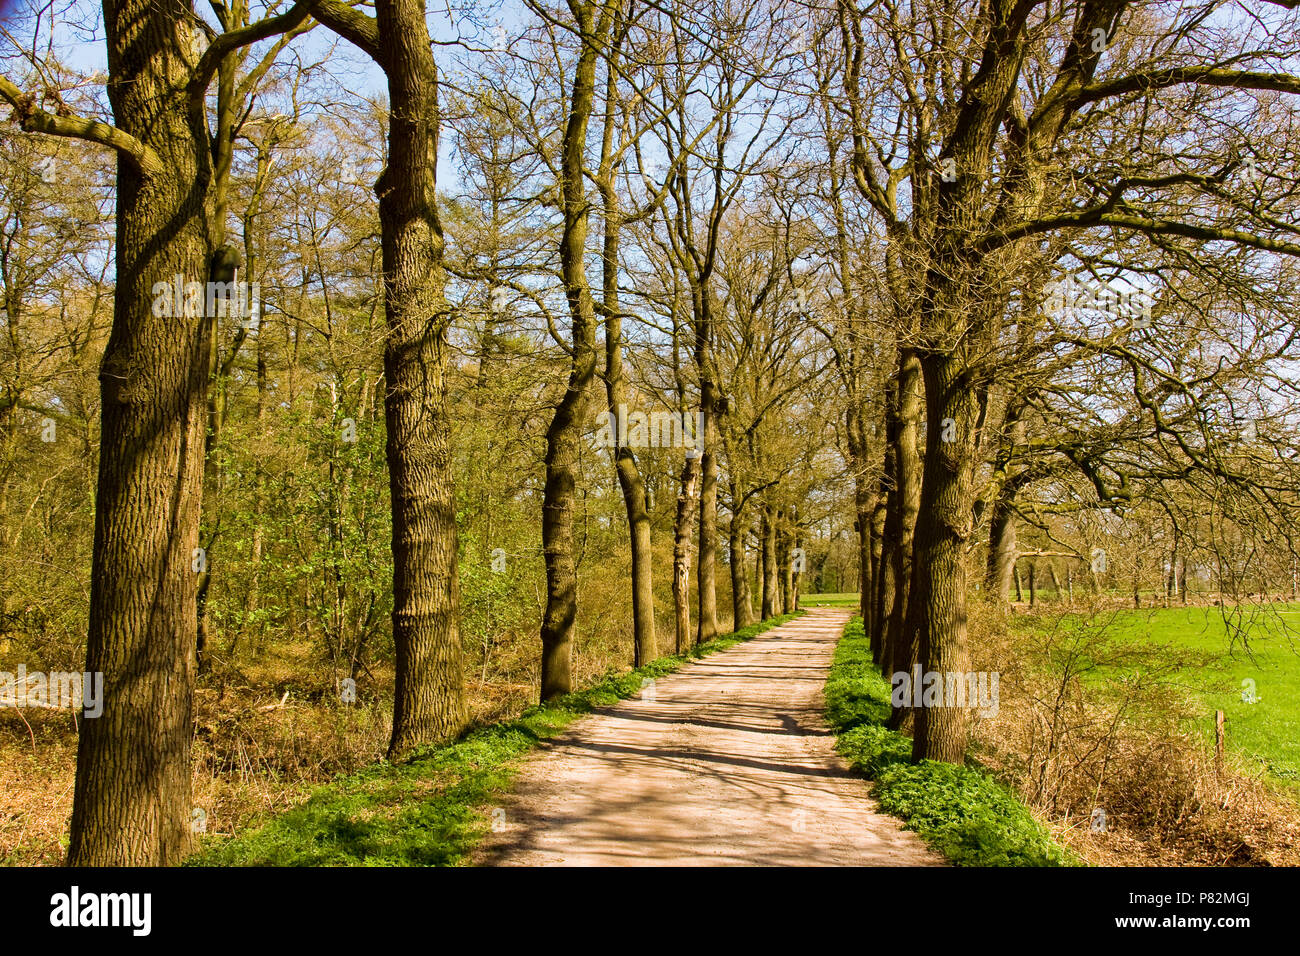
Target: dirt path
730	763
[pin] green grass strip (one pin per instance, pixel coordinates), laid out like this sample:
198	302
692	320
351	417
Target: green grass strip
429	810
960	811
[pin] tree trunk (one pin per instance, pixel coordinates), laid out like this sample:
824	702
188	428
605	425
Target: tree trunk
252	599
883	581
687	502
863	505
742	603
429	695
883	545
1002	550
937	603
796	576
644	642
565	431
705	570
132	795
768	533
1002	553
783	566
902	642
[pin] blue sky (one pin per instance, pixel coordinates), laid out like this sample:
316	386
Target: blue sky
78	42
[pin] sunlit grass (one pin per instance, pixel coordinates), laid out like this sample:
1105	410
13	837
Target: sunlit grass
1226	649
846	599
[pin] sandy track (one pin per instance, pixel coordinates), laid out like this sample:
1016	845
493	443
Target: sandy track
730	763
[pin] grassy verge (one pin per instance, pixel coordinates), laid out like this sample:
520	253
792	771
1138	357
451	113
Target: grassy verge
845	599
959	810
1242	661
429	810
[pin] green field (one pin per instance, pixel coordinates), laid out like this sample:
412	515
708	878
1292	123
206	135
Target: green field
1207	652
1212	654
847	599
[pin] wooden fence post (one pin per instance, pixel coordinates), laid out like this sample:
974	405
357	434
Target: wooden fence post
1218	745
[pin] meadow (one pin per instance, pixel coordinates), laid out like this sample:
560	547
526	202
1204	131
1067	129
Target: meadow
1243	660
